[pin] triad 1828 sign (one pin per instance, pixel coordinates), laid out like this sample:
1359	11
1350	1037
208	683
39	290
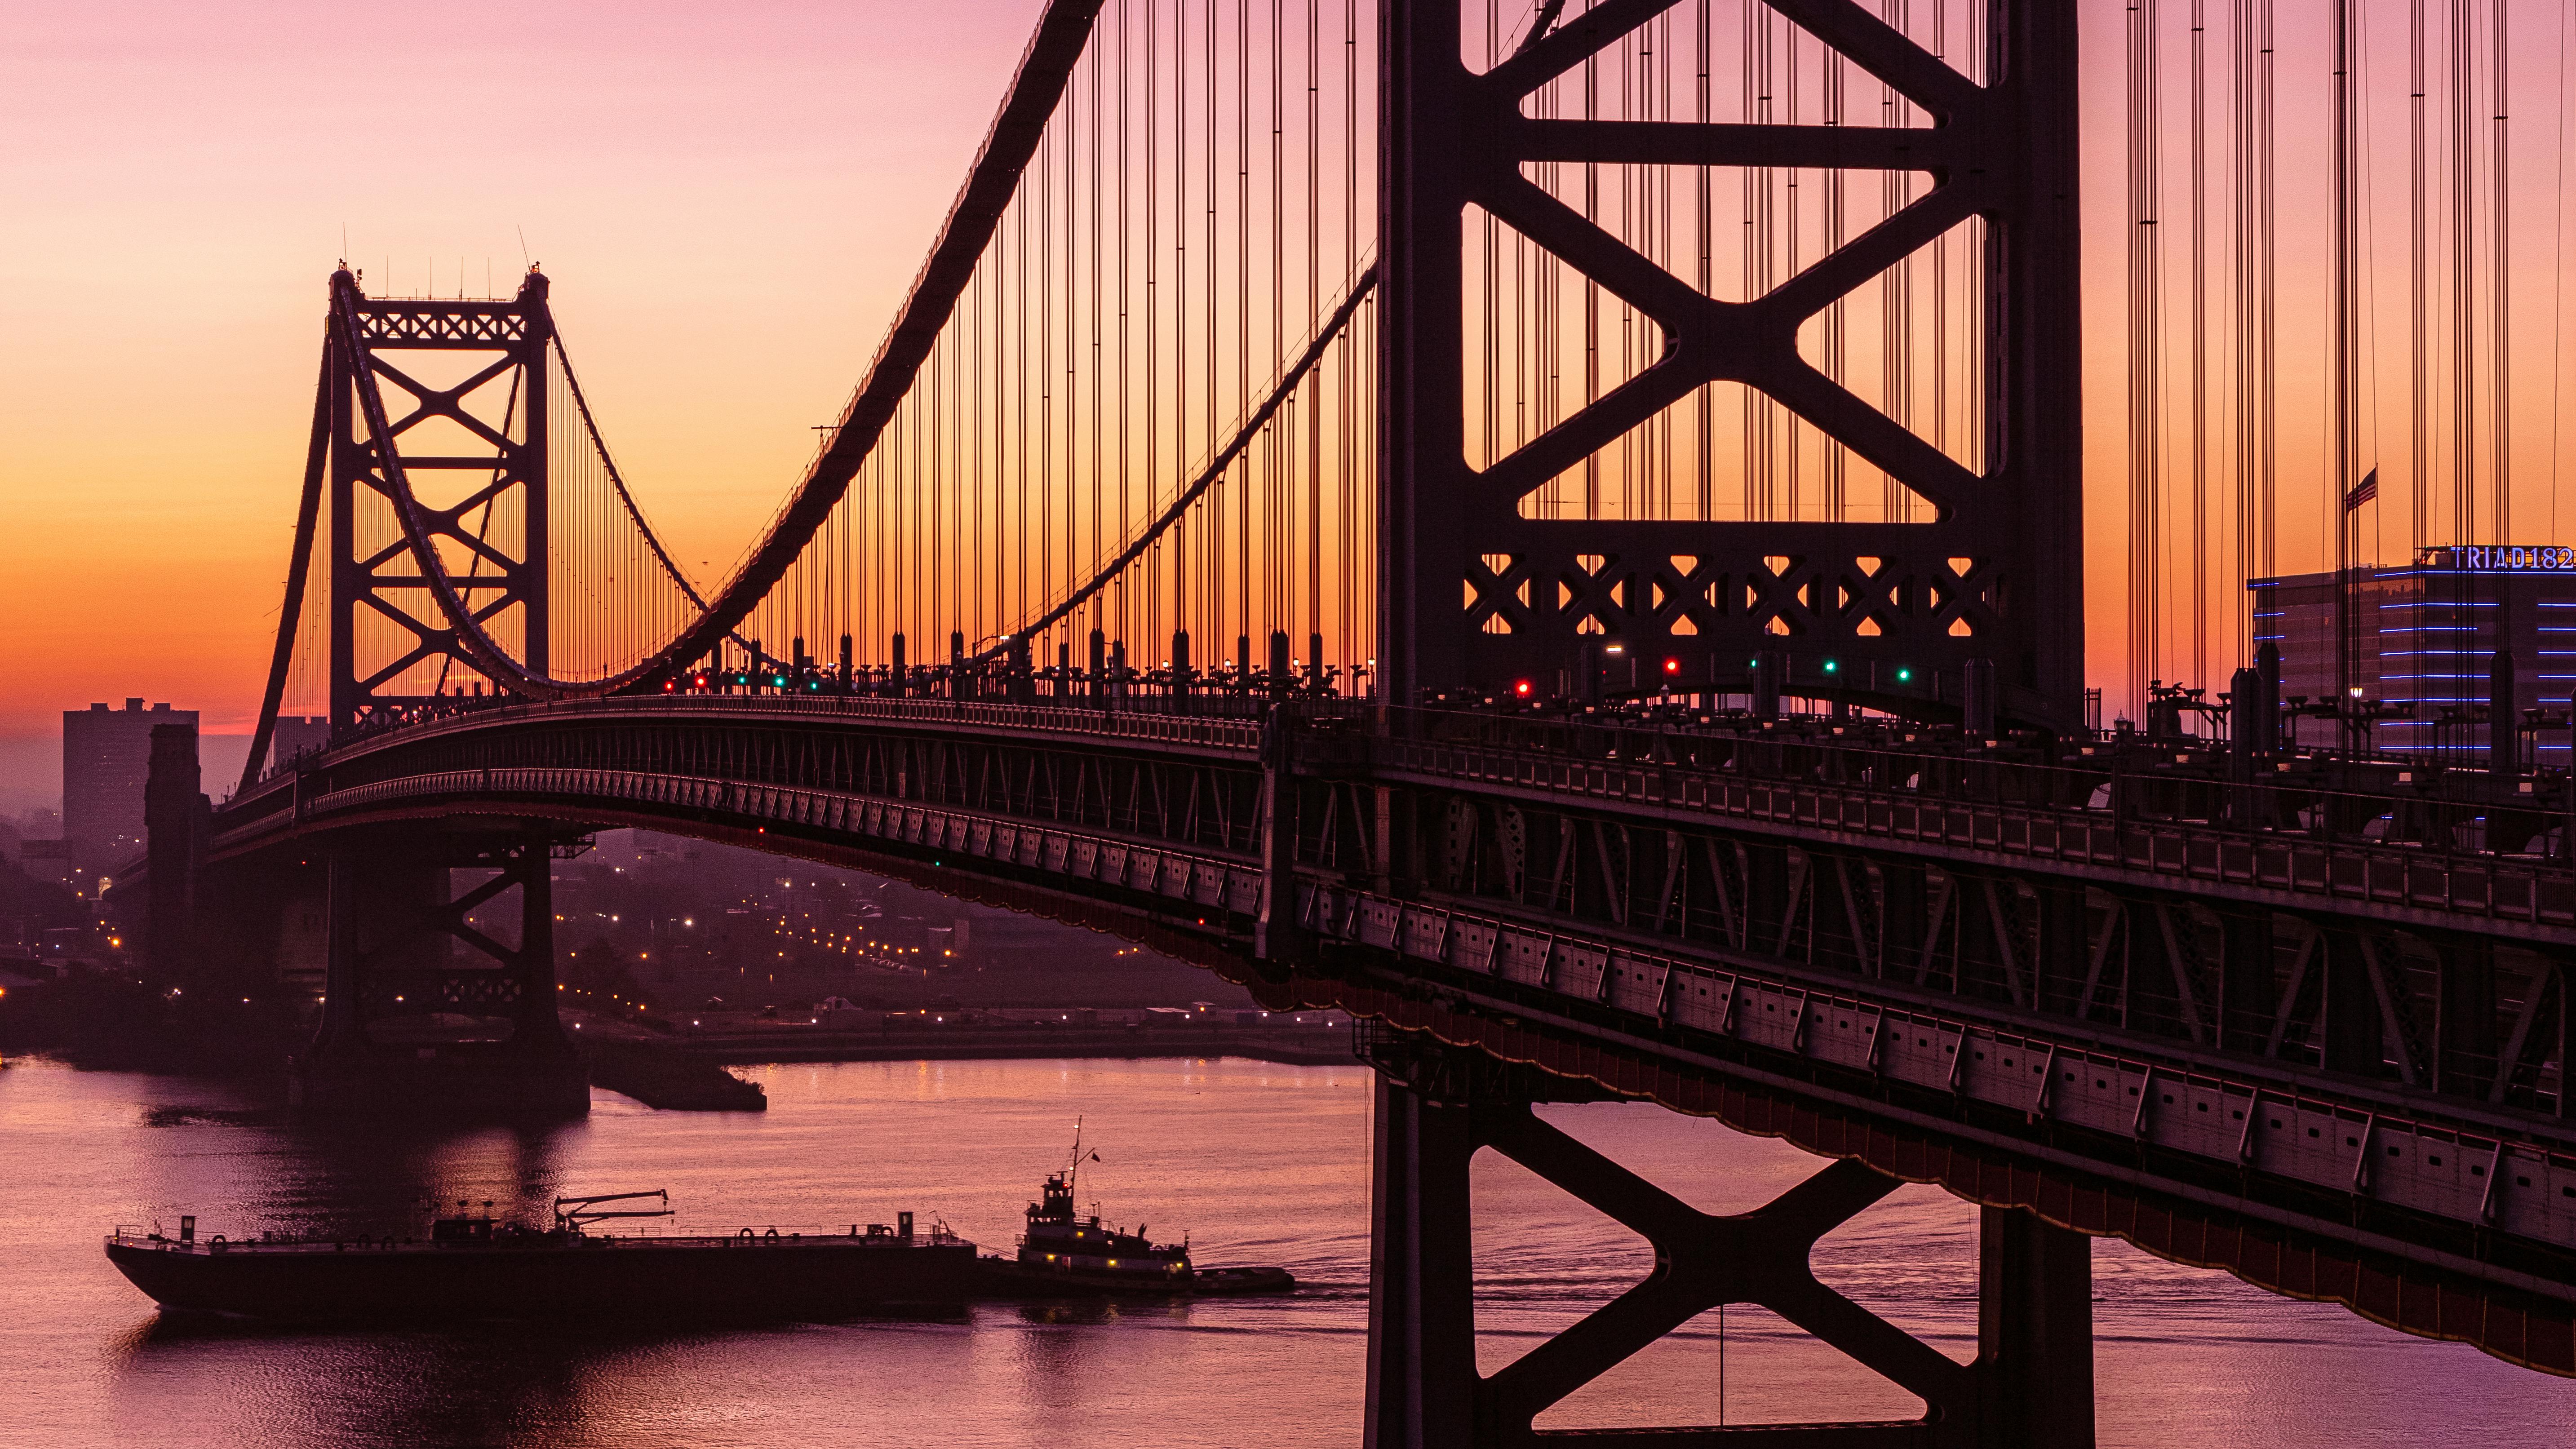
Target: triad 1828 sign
2499	558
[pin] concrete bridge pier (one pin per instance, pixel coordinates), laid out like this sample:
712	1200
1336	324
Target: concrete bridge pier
410	1024
2030	1386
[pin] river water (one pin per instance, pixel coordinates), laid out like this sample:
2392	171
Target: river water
1258	1163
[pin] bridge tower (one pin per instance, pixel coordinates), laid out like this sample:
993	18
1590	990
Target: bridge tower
482	414
418	391
1975	613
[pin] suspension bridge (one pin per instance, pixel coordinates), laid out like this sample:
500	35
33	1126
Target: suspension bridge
1559	534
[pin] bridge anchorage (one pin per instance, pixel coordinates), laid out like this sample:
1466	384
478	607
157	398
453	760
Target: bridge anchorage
1768	796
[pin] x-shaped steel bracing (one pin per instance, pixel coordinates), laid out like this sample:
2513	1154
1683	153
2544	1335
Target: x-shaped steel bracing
1703	1261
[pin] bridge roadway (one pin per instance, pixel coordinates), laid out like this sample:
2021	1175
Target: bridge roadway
1908	1025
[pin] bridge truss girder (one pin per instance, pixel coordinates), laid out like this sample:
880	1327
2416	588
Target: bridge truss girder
1470	589
2456	1013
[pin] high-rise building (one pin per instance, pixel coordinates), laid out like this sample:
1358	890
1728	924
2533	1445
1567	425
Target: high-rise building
107	753
2418	642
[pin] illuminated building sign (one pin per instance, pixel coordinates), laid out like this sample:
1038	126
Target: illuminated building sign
2499	558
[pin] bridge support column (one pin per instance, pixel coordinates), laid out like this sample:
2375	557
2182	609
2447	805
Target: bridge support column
1422	1311
173	832
2031	1386
406	1029
2034	1363
1276	936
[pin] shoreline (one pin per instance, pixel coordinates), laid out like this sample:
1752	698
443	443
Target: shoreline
695	1073
1321	1046
700	1072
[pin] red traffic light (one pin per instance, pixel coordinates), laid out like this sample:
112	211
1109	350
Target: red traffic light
1521	688
1672	666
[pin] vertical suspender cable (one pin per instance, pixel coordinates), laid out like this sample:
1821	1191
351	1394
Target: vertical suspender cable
2267	289
1702	398
1940	264
2464	281
2341	318
2566	92
1896	291
1314	299
2500	290
2145	317
1790	423
2418	261
1837	459
1185	251
2199	344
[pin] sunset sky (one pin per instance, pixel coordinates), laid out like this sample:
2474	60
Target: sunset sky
730	201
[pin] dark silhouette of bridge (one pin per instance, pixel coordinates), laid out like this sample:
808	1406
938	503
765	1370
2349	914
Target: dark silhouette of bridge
1711	732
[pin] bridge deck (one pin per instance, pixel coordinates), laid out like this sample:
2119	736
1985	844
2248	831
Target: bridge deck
2469	1191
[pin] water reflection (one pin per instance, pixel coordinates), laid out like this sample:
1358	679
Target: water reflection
352	1179
1257	1173
490	1387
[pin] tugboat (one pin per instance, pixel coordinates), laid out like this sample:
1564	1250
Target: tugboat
1080	1250
1065	1253
478	1267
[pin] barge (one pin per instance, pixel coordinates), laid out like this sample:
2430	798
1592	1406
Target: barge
476	1267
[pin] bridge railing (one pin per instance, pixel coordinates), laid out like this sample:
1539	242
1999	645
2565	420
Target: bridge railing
1213	723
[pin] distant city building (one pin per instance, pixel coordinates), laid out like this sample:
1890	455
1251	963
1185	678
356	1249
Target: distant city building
2423	639
46	860
106	755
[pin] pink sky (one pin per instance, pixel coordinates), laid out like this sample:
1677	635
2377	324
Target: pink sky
730	200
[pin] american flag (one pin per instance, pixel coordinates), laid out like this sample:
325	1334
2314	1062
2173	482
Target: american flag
2367	490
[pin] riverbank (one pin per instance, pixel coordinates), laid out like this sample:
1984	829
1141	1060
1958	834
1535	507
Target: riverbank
1311	1045
656	1076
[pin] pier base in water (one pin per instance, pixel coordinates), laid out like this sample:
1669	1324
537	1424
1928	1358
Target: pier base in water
450	1082
411	1026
